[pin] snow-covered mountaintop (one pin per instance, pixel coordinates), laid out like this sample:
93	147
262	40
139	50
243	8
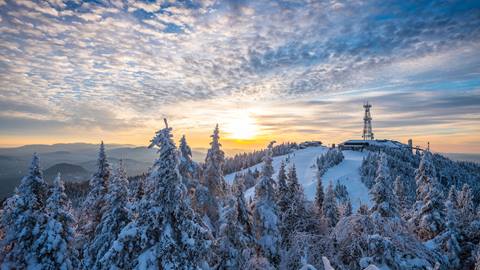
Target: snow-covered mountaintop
347	173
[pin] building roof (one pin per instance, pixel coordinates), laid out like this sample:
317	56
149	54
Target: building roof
380	143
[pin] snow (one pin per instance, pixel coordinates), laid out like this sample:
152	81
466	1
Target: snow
146	260
380	143
326	264
431	244
128	231
347	173
117	246
372	267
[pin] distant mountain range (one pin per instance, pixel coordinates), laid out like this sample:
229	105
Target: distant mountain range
75	161
463	157
68	171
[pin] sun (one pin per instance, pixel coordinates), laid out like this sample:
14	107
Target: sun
241	127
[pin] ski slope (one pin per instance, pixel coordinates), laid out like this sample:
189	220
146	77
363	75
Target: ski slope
347	173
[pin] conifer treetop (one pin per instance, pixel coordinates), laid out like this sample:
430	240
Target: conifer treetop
185	150
267	169
102	160
34	170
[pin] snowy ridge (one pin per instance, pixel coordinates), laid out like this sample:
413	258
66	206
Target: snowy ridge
347	173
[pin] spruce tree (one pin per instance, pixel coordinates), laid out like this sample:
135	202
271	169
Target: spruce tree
213	173
167	233
249	179
265	213
295	190
23	218
362	209
347	208
330	210
91	213
319	194
187	167
234	240
238	182
282	189
465	205
210	193
452	246
258	262
341	192
244	215
477	260
294	218
400	192
384	200
453	196
55	244
115	217
428	215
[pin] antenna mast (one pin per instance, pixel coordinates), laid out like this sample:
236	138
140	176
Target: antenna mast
367	123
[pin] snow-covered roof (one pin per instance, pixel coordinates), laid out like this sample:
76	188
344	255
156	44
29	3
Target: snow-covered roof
381	143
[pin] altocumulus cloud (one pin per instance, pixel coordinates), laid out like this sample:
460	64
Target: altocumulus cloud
103	63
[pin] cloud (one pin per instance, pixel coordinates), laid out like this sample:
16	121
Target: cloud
103	64
17	106
20	126
40	7
148	7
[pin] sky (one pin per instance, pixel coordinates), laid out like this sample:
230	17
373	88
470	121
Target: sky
287	70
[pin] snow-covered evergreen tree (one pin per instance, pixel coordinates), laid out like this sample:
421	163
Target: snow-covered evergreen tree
282	176
213	172
282	189
341	192
452	246
23	218
293	219
244	215
400	192
428	214
265	213
212	189
380	251
238	183
167	233
362	209
249	179
330	209
346	208
453	196
241	161
295	190
115	217
91	213
258	262
54	246
384	200
233	238
331	158
306	265
187	167
477	260
369	168
465	205
319	194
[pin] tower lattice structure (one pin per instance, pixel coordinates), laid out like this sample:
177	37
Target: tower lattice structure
367	123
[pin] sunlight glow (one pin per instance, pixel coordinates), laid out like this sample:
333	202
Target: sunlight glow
241	127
